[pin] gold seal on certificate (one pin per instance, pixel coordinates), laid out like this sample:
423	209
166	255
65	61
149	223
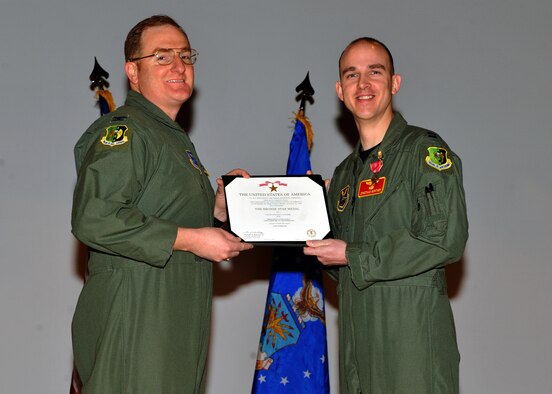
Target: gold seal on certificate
277	210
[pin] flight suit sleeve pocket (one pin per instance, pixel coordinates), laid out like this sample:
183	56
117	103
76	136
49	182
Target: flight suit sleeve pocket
430	217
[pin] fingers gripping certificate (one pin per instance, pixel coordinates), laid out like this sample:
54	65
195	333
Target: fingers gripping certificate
277	210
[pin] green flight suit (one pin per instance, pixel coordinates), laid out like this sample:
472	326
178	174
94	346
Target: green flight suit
396	326
141	324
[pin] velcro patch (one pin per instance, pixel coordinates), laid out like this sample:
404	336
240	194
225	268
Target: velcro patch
371	187
343	198
438	158
115	135
193	161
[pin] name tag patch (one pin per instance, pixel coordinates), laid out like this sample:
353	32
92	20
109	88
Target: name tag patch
371	187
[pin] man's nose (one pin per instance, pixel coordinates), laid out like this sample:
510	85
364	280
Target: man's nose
178	64
364	81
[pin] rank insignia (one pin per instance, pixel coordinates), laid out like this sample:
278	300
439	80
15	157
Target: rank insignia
115	135
438	158
343	198
371	187
193	160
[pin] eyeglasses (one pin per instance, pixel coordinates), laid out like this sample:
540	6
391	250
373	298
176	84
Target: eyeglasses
166	56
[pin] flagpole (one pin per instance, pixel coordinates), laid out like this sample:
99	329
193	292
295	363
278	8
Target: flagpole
292	353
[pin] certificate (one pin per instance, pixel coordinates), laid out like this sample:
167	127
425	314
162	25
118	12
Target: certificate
277	210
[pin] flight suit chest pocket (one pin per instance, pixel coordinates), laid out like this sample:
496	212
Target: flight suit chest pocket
390	204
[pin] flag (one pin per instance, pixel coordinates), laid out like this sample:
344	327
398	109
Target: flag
98	77
292	355
106	104
76	384
299	147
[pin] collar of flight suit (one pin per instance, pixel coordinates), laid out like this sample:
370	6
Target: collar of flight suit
135	99
394	131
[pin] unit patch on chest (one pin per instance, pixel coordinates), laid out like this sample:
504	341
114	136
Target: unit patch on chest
371	187
193	160
115	135
343	198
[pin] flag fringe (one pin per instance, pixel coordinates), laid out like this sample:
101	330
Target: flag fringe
308	128
108	97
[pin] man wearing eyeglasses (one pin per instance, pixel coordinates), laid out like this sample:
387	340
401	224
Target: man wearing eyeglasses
144	205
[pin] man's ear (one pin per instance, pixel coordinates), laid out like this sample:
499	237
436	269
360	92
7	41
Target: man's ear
131	70
339	90
396	83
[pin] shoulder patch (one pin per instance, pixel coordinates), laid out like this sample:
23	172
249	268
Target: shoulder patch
438	158
115	135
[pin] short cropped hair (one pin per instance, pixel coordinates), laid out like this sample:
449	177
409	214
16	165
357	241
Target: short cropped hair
369	40
133	40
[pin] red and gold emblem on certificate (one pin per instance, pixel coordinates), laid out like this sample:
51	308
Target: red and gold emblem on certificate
371	187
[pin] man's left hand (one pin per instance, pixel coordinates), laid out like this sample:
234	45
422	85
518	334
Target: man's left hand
328	251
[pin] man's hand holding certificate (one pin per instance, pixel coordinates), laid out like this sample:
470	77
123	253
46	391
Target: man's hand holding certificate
277	210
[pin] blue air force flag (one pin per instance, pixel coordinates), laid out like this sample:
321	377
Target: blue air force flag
292	354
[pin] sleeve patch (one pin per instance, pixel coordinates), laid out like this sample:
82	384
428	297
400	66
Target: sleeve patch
115	135
438	158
